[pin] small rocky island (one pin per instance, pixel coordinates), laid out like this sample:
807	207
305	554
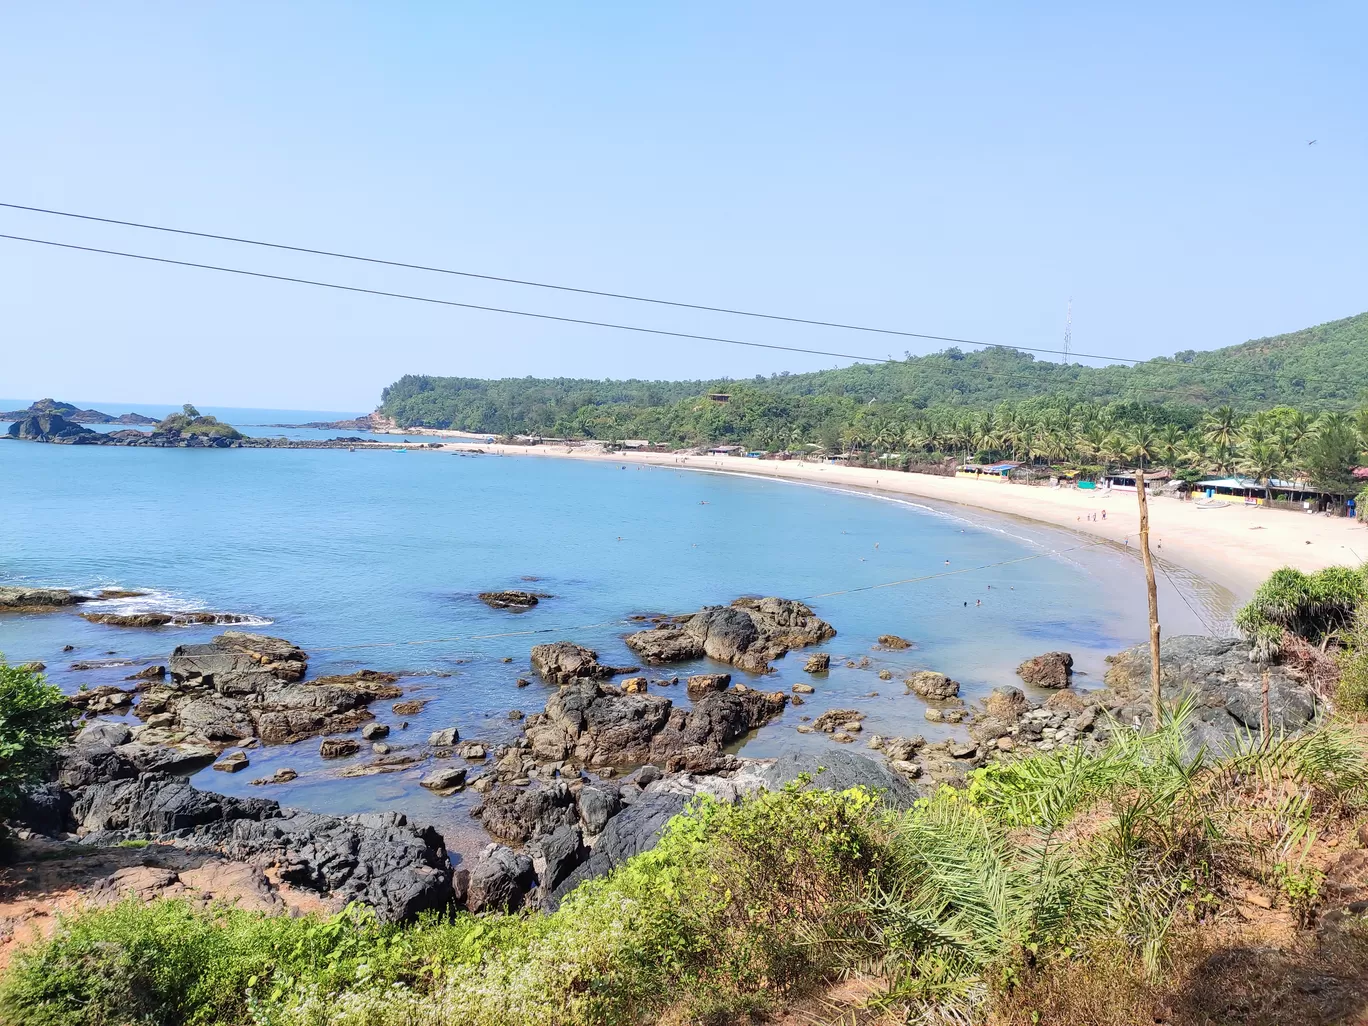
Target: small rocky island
50	421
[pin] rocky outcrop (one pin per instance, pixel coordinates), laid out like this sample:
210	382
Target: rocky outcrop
164	619
818	662
110	789
73	414
599	725
515	600
1217	673
1051	670
37	600
244	685
500	880
560	662
894	643
52	427
747	634
933	686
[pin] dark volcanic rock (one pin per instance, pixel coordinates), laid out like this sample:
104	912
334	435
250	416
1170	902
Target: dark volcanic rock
555	856
249	685
517	814
517	600
839	770
500	880
748	634
1218	674
597	805
52	427
599	725
163	619
1051	670
378	859
633	830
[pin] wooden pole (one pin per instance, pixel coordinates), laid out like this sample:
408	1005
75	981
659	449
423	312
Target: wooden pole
1156	697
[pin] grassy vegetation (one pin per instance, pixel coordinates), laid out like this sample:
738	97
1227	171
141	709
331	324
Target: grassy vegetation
1051	882
190	422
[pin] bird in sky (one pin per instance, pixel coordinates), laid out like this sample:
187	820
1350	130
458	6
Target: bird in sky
1311	142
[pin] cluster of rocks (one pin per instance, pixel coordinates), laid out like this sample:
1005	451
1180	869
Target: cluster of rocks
747	634
560	662
242	686
146	620
575	831
49	407
111	788
53	427
598	725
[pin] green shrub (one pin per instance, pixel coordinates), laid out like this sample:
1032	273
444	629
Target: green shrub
1351	694
34	719
1312	606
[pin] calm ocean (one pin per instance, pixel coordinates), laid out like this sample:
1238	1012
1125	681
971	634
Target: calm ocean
338	551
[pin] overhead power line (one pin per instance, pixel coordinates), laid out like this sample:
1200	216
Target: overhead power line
680	304
506	310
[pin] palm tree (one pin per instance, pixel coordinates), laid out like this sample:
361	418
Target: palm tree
1264	459
1220	429
1171	442
1143	444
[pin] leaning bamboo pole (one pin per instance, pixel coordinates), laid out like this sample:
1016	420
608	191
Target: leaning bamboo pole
1156	697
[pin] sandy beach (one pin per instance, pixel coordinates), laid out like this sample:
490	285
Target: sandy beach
1235	546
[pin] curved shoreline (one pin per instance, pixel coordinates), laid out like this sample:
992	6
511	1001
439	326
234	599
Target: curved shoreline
1235	547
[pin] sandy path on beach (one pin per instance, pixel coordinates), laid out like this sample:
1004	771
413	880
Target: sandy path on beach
1235	546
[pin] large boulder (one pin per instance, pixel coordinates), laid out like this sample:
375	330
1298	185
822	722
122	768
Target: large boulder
254	659
500	880
599	725
36	600
929	684
516	814
560	662
748	634
243	686
1051	670
555	856
52	427
838	770
1225	686
633	830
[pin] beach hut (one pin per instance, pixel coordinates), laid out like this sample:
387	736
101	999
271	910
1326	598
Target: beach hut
1251	491
991	471
1124	480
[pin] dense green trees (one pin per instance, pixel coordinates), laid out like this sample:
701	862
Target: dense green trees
1199	412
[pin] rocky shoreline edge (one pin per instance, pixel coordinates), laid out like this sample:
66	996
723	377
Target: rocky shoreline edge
593	778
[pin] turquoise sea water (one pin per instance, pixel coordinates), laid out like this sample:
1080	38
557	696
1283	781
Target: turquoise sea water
367	559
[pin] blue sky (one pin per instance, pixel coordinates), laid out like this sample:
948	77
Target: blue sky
952	169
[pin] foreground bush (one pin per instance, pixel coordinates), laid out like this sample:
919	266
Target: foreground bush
993	901
34	719
717	912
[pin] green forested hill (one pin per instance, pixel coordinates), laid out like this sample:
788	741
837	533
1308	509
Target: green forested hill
1316	369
